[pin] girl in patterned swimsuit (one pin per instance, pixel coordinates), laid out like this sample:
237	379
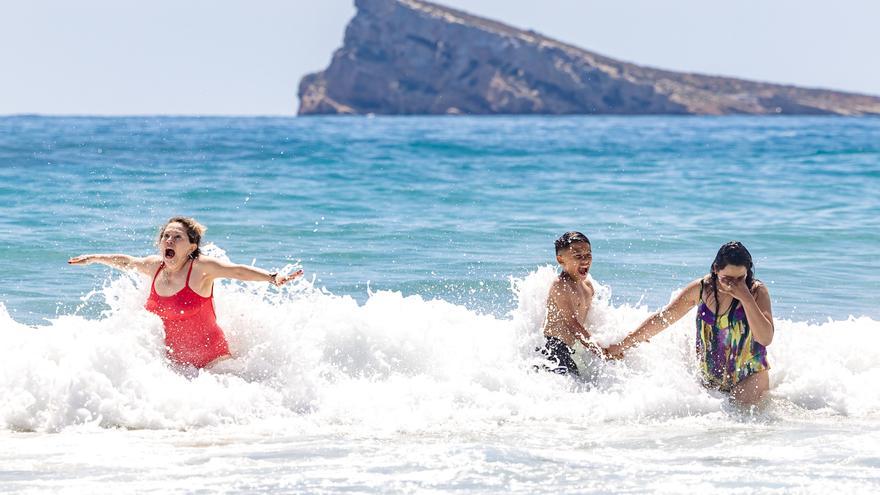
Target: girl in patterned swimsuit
182	291
734	325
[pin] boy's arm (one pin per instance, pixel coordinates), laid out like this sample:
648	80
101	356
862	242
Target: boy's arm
146	265
660	320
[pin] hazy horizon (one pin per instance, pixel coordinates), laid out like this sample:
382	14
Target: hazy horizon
222	58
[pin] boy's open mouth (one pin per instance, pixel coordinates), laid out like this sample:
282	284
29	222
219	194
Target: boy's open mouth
583	271
169	253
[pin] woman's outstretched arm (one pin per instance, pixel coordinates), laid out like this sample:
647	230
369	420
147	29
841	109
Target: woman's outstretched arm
660	320
146	265
214	269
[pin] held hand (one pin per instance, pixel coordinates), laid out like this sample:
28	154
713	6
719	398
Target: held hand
594	348
613	352
84	259
281	280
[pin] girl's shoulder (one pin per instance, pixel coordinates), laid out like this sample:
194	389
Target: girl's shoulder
693	291
702	284
759	287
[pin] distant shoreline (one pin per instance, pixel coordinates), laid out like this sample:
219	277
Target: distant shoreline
412	57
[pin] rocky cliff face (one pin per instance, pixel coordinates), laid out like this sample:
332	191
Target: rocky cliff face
415	57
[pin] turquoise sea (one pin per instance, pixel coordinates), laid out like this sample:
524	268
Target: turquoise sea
451	207
402	361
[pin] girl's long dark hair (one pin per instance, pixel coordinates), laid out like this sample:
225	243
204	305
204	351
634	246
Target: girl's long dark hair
732	253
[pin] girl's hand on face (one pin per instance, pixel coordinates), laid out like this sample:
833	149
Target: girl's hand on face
735	287
279	280
84	259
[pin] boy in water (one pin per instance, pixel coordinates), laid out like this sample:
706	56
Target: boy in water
568	303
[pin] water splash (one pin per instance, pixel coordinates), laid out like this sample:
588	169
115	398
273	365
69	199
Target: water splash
316	361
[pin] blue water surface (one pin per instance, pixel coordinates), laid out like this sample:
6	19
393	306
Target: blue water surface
450	207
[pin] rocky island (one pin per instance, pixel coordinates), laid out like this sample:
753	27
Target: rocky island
415	57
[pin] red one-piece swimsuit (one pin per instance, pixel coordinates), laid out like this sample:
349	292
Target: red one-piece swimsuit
192	336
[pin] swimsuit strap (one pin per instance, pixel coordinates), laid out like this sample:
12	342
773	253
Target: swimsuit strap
191	263
153	285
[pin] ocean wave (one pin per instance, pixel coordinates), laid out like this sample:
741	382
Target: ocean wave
308	359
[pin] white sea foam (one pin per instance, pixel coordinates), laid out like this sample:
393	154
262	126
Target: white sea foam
319	362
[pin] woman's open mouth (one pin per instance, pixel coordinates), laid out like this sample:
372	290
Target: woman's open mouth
169	253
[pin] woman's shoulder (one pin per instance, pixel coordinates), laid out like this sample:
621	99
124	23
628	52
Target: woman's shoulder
209	263
205	260
152	261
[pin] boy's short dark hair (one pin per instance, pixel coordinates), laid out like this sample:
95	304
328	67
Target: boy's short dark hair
569	238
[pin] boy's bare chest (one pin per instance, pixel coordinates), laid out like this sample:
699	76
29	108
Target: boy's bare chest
582	300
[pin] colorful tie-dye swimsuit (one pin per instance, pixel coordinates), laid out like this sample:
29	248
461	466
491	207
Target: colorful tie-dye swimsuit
725	348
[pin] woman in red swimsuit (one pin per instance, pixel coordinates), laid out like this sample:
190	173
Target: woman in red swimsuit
182	291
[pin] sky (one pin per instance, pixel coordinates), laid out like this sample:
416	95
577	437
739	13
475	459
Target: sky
238	57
